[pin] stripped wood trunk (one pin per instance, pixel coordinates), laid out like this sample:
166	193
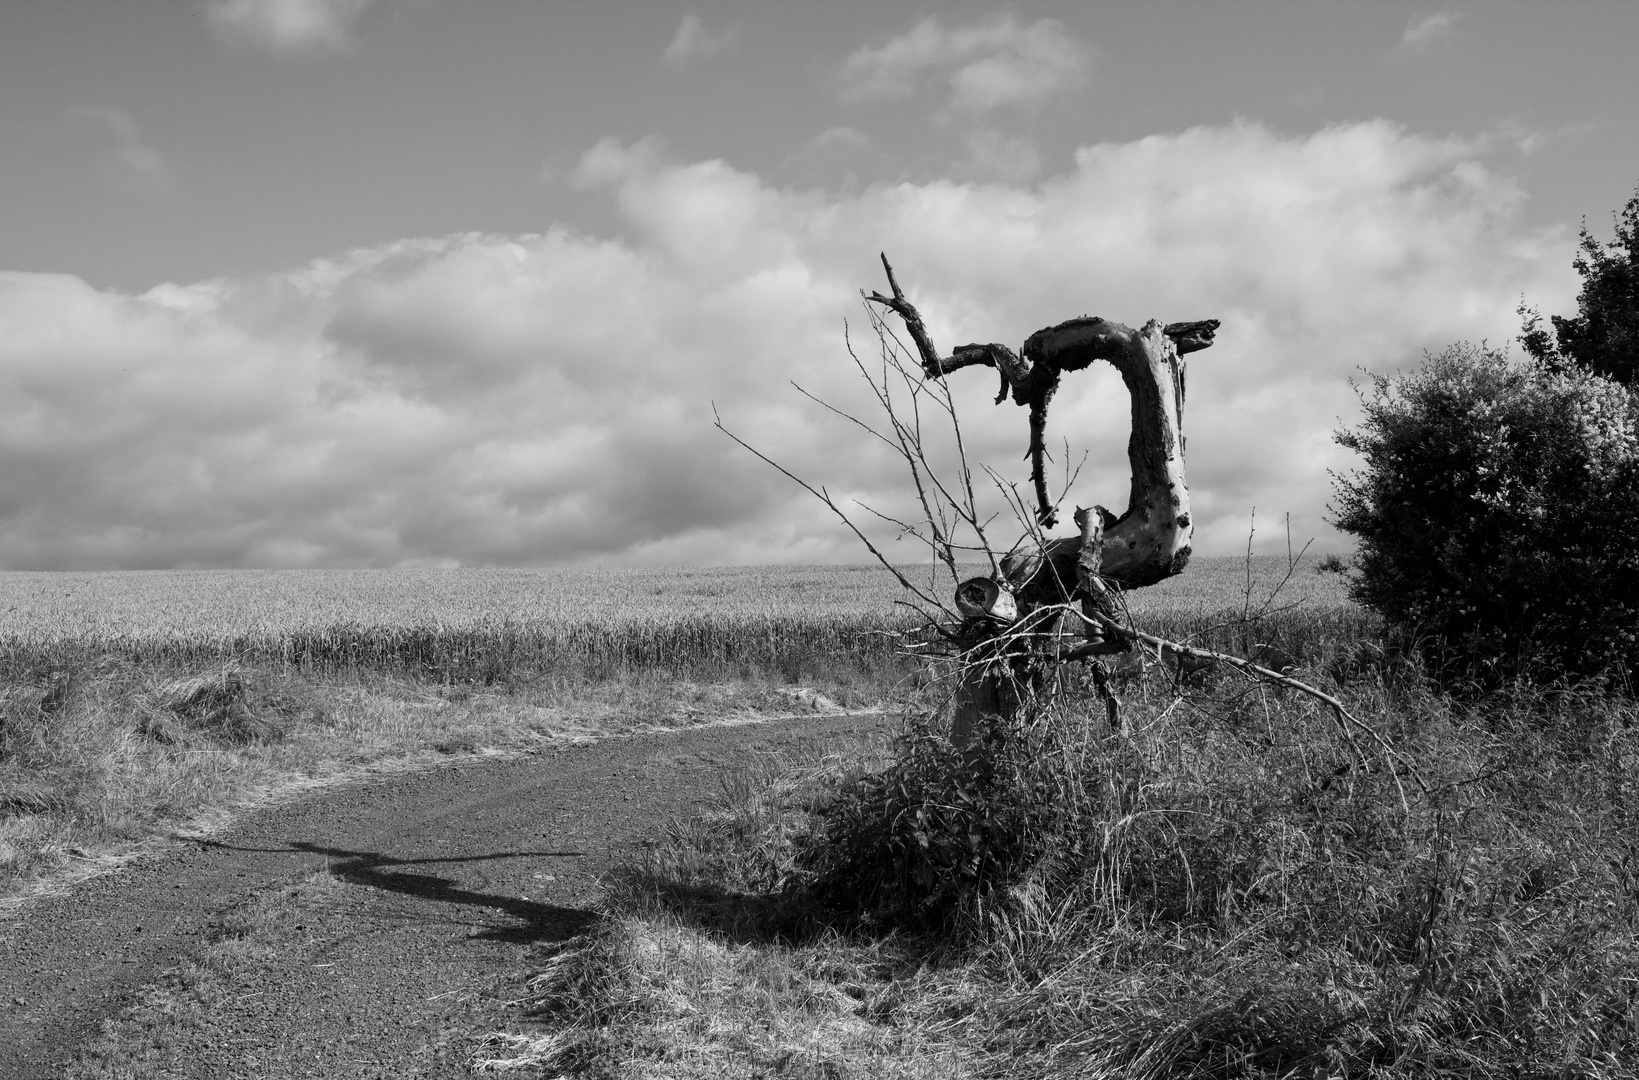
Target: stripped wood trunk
1148	543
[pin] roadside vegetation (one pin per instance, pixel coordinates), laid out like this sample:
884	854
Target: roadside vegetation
118	725
1402	841
1406	843
134	705
1230	891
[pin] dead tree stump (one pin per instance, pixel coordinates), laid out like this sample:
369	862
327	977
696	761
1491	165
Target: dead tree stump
1006	626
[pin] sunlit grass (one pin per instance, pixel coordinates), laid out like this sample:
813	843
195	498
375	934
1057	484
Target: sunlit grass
1230	892
336	670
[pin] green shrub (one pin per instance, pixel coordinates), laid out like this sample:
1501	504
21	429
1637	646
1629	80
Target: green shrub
1496	514
1603	336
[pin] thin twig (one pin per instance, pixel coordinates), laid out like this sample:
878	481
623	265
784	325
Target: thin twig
823	496
1344	717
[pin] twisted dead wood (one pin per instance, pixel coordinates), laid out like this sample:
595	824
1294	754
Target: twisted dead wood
1151	539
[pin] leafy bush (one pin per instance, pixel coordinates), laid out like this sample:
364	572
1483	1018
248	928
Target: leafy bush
1496	513
1603	337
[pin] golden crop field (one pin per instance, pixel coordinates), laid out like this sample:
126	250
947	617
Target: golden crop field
469	623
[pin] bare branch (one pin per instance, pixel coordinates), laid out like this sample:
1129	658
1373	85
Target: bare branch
823	496
913	319
1346	720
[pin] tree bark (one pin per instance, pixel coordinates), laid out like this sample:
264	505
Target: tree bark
1149	542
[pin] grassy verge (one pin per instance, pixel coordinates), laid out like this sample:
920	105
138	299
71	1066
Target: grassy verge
1231	892
108	739
104	746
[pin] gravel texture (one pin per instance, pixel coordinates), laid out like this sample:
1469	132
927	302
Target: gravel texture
373	930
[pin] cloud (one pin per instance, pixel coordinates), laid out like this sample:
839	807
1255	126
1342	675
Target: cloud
130	161
287	26
838	154
694	41
1425	34
985	66
844	140
997	155
548	398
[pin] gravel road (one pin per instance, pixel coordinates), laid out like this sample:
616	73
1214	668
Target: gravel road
433	887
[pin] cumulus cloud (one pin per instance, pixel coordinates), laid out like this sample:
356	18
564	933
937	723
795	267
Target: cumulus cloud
982	67
548	398
287	26
1425	34
130	160
693	42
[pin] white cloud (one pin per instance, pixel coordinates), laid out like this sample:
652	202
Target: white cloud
489	399
1426	33
130	159
984	66
288	26
693	41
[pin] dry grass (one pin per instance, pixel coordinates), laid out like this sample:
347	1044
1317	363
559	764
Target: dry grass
98	758
654	997
1226	894
683	980
132	705
155	710
195	607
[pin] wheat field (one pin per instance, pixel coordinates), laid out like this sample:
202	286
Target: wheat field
474	624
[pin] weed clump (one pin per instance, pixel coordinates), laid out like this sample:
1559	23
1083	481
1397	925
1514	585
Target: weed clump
97	751
225	708
943	834
1232	891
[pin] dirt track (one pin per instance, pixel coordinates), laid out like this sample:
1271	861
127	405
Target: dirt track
433	887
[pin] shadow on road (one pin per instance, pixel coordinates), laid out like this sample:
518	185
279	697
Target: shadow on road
534	921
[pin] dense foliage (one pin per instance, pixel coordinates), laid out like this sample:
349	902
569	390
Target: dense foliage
1603	337
1496	509
1496	513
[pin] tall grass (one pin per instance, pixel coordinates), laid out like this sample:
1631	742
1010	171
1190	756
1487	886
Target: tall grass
787	646
1229	892
318	673
489	627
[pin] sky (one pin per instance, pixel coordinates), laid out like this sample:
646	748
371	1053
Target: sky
376	283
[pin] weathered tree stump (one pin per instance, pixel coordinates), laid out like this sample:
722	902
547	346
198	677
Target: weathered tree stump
1005	630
